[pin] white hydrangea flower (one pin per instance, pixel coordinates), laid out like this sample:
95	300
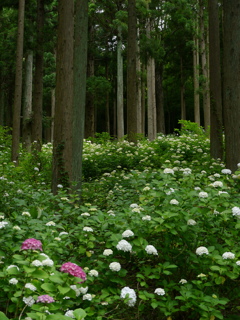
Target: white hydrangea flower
16	228
131	295
12	266
146	218
191	222
226	171
151	250
3	224
57	239
30	286
115	266
83	290
63	233
29	301
146	188
36	263
87	229
123	245
93	273
238	263
174	201
48	262
183	281
13	281
201	275
76	289
50	223
87	296
202	250
2	217
26	213
168	170
69	314
160	291
203	194
107	252
85	214
138	210
228	255
236	211
133	205
217	184
127	234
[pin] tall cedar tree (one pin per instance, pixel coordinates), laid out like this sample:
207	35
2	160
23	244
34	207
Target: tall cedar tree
231	81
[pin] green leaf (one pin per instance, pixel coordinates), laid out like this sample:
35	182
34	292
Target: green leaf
79	314
2	316
56	279
63	290
48	287
154	304
40	274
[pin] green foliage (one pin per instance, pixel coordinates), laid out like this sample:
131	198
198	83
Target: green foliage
191	127
166	198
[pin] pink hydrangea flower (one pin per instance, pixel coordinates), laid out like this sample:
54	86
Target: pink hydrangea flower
45	299
31	244
74	270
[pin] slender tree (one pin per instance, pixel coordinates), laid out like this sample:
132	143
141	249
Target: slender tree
120	104
231	81
216	127
38	79
62	138
131	72
18	83
79	96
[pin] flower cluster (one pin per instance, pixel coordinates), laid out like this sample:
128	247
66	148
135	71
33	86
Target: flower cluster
131	295
31	244
160	291
127	234
115	266
236	211
107	252
74	270
228	255
151	250
202	250
45	299
191	222
203	194
123	245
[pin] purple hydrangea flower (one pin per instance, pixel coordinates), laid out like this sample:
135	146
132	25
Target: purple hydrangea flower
31	244
74	270
45	299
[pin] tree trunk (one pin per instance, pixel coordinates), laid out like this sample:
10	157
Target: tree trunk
90	108
183	101
27	102
62	144
160	99
231	83
79	97
131	73
196	80
38	80
18	84
139	89
151	96
2	101
143	98
216	133
120	105
206	95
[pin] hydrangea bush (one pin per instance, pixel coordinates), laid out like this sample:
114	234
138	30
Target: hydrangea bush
154	237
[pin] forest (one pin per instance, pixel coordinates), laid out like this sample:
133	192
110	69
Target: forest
119	159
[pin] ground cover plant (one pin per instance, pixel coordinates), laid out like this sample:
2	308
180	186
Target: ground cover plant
156	235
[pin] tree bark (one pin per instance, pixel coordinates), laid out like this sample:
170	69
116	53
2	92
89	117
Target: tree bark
27	102
79	97
131	73
196	80
18	84
38	80
160	99
62	144
216	127
231	83
120	105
